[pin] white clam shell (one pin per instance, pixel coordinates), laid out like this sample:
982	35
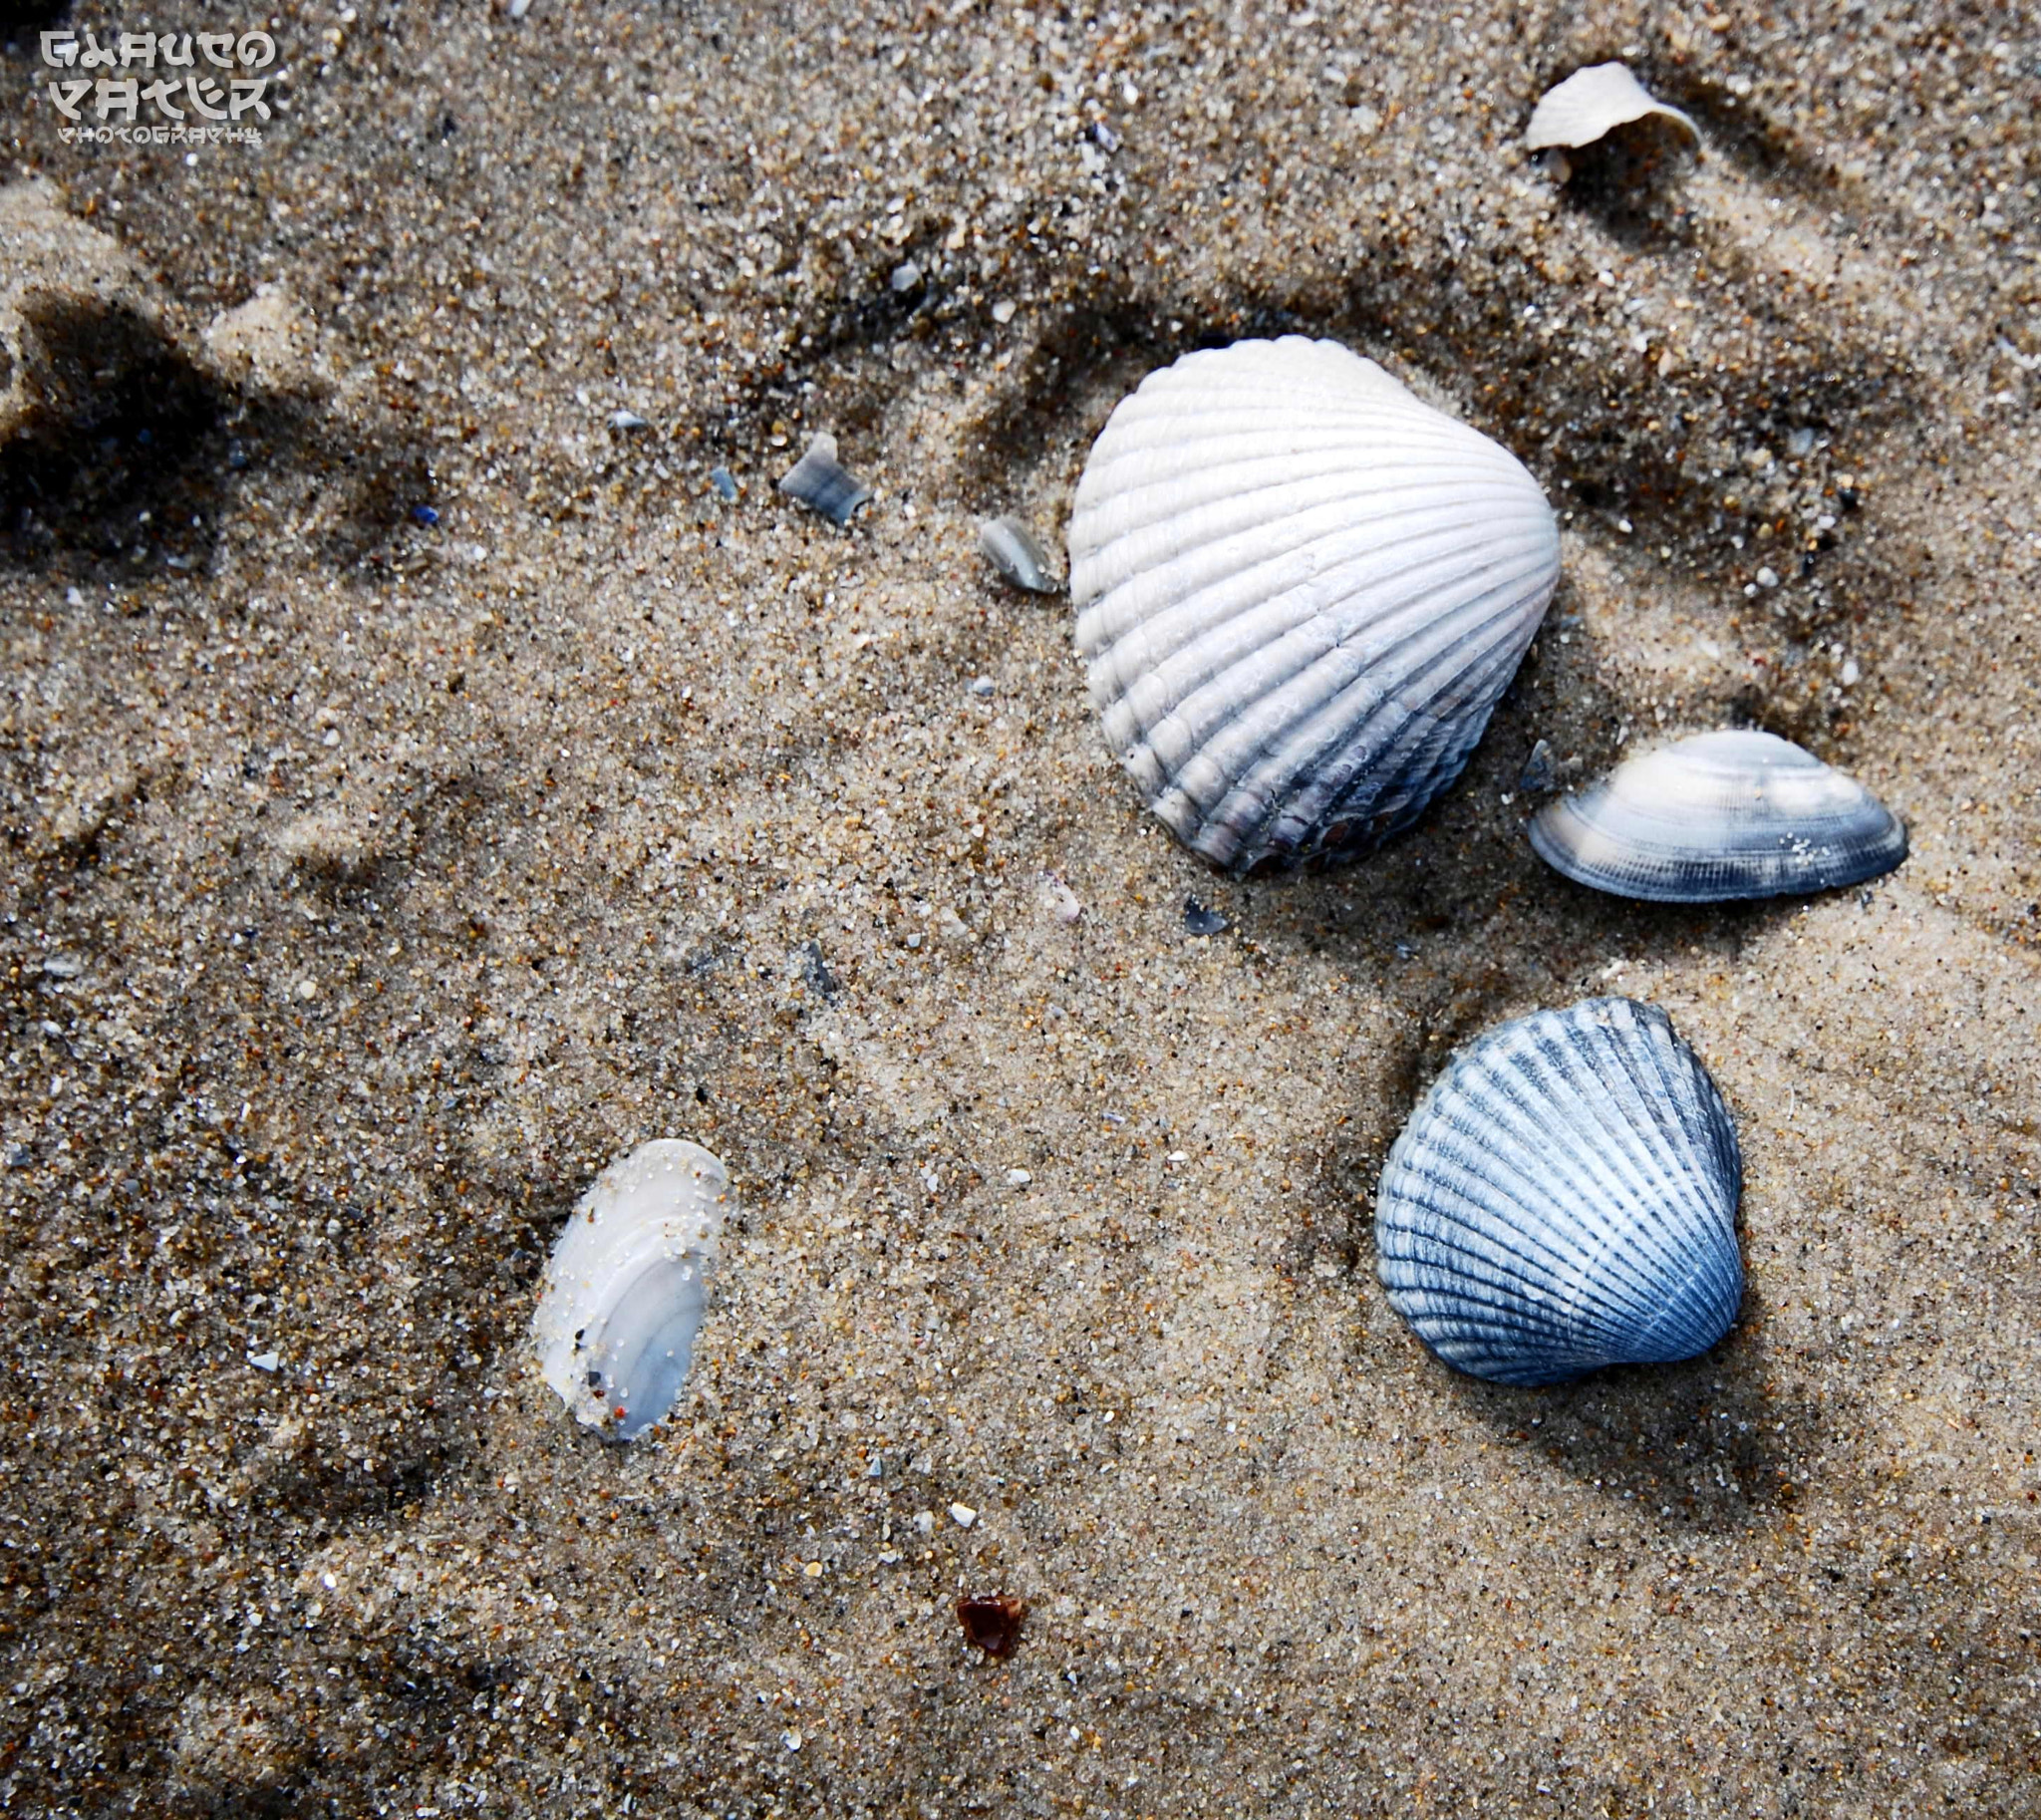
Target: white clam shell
1565	1198
1593	103
1719	817
1301	591
627	1284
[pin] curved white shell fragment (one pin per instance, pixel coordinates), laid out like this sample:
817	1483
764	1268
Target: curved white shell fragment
1301	591
1593	103
626	1286
1565	1198
1722	815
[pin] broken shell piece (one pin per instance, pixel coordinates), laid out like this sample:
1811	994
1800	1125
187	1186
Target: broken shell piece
1722	815
626	1286
1010	547
1593	103
627	420
820	483
992	1620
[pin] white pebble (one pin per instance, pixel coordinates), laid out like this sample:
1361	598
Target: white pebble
265	1361
1768	578
1017	1178
906	276
963	1515
1852	676
1002	311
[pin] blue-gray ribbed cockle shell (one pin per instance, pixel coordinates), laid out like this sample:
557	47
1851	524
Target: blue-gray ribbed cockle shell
1565	1198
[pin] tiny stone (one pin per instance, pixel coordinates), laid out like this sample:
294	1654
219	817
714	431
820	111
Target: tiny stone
1002	311
1768	578
265	1361
1800	443
982	687
1017	1178
906	276
1200	921
1852	676
626	420
308	989
792	1739
925	1521
723	481
963	1515
1536	773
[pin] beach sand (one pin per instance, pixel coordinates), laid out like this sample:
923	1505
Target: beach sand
415	793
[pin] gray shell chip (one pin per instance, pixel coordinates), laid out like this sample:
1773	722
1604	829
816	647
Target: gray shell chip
1565	1198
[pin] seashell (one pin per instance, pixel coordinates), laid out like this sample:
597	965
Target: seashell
625	1287
1565	1198
1301	591
1593	103
1538	773
627	420
821	484
1010	547
1731	814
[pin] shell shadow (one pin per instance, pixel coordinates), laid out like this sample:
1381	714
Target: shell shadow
1631	182
1706	1445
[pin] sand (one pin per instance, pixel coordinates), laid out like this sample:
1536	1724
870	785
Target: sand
440	791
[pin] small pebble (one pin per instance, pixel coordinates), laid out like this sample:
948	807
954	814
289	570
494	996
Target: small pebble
1017	1178
1768	578
723	481
925	1521
906	276
265	1361
963	1515
1851	674
1002	311
1800	443
423	514
627	419
1200	921
984	687
1536	773
308	989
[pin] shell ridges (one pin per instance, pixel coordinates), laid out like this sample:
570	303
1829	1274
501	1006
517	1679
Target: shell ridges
1565	1198
1299	590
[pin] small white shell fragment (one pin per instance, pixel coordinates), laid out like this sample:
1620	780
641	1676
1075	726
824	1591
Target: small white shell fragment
627	1284
627	419
1018	1179
963	1515
1060	900
821	484
1593	103
906	276
1011	547
1301	591
265	1361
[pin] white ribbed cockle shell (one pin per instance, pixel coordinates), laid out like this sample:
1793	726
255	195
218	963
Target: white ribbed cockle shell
1301	591
1565	1198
